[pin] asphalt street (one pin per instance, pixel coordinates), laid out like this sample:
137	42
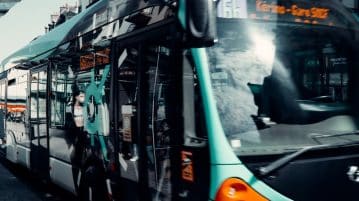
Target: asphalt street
18	184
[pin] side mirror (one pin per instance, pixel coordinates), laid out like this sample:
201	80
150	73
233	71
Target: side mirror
197	17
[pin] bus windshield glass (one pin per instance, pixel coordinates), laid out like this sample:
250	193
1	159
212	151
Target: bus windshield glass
285	74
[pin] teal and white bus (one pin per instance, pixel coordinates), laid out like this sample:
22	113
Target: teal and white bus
222	100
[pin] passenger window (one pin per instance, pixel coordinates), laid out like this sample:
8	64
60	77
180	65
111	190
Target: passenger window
79	113
68	104
16	108
17	98
62	81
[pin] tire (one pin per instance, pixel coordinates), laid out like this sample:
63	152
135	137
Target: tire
93	184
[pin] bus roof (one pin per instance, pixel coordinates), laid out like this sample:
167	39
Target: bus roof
100	14
46	44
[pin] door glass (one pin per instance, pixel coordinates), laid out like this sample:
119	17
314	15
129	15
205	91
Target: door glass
39	158
160	116
42	94
60	97
33	95
42	105
127	102
38	103
162	110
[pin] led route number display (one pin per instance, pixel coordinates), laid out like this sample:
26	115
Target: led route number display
295	10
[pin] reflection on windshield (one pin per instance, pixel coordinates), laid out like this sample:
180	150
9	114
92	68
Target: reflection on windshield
277	84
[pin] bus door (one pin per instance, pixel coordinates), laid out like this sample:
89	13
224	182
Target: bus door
39	156
126	117
146	120
163	119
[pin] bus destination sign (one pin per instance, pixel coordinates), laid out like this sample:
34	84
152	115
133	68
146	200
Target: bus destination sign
288	11
302	14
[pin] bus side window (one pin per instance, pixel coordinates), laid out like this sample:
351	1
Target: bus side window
194	121
16	106
195	163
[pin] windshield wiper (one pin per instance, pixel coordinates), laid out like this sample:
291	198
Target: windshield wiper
315	137
263	171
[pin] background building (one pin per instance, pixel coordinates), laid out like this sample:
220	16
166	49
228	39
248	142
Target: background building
83	4
66	12
5	6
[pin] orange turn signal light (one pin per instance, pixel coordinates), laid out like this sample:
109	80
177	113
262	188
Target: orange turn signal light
234	189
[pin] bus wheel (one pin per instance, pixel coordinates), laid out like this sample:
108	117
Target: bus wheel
93	185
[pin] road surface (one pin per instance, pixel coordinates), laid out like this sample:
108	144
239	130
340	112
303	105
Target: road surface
17	184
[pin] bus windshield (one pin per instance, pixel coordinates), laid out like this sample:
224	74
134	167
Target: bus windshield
285	74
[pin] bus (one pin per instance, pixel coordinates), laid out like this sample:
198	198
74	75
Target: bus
222	100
